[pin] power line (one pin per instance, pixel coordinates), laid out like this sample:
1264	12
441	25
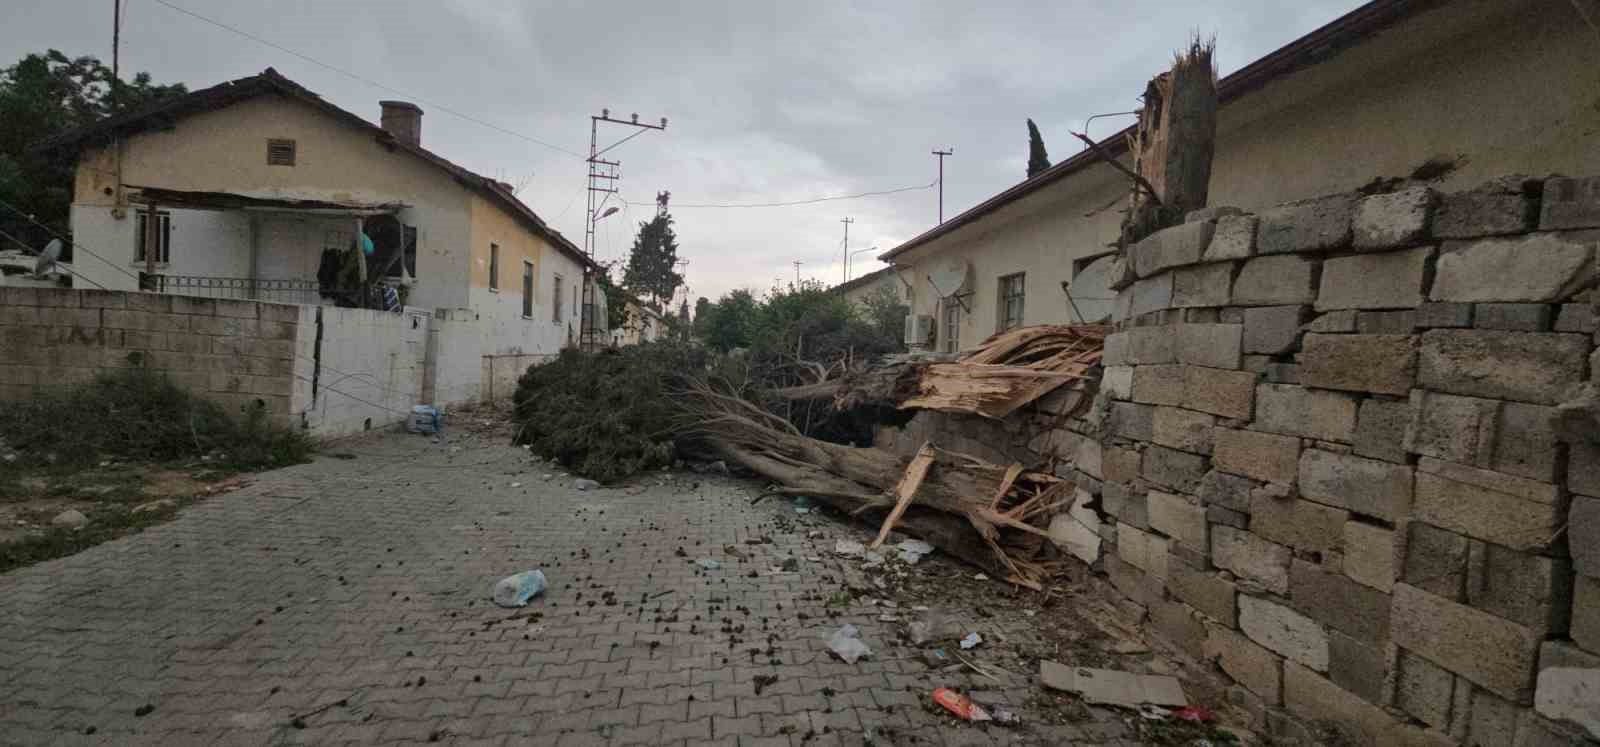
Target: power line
75	245
814	200
366	80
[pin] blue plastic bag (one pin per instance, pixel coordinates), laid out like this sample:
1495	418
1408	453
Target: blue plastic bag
515	591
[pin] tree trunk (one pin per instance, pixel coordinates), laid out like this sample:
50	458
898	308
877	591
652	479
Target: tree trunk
1174	143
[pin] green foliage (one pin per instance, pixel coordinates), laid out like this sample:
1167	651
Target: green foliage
617	314
1038	159
44	95
702	307
886	313
652	263
609	414
135	414
106	522
805	322
730	322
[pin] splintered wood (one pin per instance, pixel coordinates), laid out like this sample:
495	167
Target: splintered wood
1010	370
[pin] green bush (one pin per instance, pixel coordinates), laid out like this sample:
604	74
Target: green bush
139	415
609	414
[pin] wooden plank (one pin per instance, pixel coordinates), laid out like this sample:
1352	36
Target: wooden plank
1005	484
906	490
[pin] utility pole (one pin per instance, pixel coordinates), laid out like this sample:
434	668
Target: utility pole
847	222
797	264
603	177
661	203
941	154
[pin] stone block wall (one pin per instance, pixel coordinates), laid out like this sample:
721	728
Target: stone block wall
1325	457
239	353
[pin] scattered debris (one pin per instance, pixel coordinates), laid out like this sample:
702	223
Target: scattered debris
912	551
960	705
708	564
71	519
849	548
585	484
161	504
790	565
846	643
1111	687
761	681
516	590
1194	713
971	641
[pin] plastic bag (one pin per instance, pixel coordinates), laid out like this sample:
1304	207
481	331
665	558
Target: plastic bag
846	644
515	591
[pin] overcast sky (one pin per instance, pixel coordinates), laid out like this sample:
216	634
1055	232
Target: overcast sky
767	101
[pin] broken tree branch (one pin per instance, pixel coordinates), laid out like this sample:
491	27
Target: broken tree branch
1108	158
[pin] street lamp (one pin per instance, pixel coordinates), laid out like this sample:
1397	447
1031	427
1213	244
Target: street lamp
852	254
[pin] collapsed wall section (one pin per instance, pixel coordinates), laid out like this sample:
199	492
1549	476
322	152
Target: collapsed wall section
1327	458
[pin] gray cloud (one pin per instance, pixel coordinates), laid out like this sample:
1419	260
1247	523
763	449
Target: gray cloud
767	102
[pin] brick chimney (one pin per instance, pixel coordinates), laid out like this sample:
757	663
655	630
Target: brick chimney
403	120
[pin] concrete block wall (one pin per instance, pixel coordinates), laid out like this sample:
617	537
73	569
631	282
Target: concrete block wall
370	371
239	353
1326	458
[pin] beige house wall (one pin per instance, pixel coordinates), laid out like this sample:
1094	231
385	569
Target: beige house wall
1500	87
499	310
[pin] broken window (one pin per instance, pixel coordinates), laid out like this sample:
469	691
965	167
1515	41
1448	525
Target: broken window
164	250
555	300
527	289
1011	297
280	152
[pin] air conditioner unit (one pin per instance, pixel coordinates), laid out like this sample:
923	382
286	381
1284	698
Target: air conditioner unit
919	329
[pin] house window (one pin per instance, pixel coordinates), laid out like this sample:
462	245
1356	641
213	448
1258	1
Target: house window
527	290
1011	297
494	267
280	152
164	221
950	326
555	300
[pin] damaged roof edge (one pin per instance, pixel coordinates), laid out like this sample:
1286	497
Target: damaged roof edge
163	113
1311	49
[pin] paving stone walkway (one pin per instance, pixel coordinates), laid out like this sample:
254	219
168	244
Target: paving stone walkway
347	601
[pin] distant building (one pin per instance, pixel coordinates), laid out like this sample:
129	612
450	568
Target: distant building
860	289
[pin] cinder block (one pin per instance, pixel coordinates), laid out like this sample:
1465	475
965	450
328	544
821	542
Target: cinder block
1187	430
1276	281
1251	557
1583	535
1227	517
1534	730
1424	689
1437	314
1248	663
1570	203
1302	525
1512	511
1263	456
1225	490
1539	268
1386	322
1203	285
1090	458
1568	681
1436	561
1494	653
1117	381
56	297
1358	666
1178	623
1343	320
1492	721
1121	465
1514	317
1171	247
1128	504
92	298
194	305
1586	613
1233	238
242	309
1272	330
1577	317
1229	394
1205	591
1364	486
1283	373
1457	429
19	296
1519	366
1393	220
1308	413
1130	420
1211	213
1307	226
1142	550
1284	632
1145	296
1369	555
1210	345
224	326
1178	470
1339	603
156	303
1158	385
60	316
1145	346
1530	590
1387	280
1179	517
1385	364
278	312
1525	442
1583	468
1506	205
1132	582
1381	429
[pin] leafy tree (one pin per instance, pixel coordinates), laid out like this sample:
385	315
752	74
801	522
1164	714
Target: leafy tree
44	95
651	262
617	314
684	327
731	322
702	307
886	312
1038	159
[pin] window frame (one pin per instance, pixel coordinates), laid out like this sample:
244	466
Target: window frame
949	325
141	225
494	267
1004	296
529	277
556	298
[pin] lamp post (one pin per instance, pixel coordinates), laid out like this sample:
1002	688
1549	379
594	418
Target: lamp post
852	254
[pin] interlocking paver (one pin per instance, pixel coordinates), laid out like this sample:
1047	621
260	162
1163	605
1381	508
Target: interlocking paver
370	578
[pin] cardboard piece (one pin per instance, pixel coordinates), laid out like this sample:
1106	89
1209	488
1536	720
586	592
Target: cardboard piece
1111	687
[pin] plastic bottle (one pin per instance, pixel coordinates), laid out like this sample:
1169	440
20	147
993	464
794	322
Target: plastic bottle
515	591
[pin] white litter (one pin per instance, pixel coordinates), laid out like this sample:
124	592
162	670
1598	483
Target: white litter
912	551
849	548
846	644
971	641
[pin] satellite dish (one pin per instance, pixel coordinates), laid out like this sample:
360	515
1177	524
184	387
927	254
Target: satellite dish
47	258
1089	295
951	277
